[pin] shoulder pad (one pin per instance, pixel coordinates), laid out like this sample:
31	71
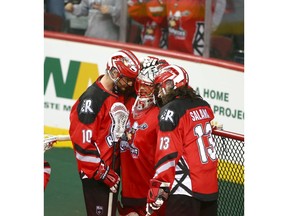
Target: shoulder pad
90	104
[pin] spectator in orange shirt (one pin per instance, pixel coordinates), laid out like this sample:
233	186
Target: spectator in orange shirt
151	14
175	24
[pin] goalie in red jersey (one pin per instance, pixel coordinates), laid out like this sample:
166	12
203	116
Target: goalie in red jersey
90	131
137	152
185	160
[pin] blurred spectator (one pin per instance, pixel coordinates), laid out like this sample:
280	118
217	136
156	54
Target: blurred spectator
218	10
232	27
151	14
174	24
55	7
103	17
186	20
186	25
74	24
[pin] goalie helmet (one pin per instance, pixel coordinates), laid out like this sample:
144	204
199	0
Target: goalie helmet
126	64
171	77
144	87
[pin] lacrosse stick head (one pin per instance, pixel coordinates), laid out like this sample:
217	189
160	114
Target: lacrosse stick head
119	115
49	142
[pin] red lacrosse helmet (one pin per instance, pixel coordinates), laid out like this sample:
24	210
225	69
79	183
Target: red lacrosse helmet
125	62
146	77
171	77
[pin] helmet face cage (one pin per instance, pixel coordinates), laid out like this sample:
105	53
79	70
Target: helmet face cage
122	84
114	74
144	82
142	104
144	88
171	77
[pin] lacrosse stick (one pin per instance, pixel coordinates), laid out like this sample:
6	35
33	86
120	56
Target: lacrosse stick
50	140
119	115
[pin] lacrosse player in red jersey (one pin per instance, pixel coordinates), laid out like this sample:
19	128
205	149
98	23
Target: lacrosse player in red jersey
90	131
137	151
48	144
185	159
47	172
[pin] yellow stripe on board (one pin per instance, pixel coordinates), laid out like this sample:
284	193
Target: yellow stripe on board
58	131
88	73
230	172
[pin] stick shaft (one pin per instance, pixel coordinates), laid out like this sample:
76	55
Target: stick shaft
63	138
57	138
110	201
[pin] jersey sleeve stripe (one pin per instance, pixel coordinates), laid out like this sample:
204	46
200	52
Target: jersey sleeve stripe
90	159
164	167
47	170
168	157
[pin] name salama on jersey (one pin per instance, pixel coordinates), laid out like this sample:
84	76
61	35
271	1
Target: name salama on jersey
199	114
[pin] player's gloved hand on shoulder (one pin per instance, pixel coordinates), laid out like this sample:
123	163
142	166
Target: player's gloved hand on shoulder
108	176
157	194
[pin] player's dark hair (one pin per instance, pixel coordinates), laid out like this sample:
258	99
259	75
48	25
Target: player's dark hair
181	92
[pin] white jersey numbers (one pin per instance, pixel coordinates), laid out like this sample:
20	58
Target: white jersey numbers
164	143
86	136
205	142
204	135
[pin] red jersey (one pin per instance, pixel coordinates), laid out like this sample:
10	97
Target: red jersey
186	25
152	15
185	154
47	172
90	128
137	158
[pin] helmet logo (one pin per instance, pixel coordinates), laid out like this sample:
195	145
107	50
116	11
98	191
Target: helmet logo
129	63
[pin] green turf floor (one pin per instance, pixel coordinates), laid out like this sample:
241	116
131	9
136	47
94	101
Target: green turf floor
63	195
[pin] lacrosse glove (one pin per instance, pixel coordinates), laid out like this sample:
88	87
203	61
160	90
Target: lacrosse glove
108	176
157	194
